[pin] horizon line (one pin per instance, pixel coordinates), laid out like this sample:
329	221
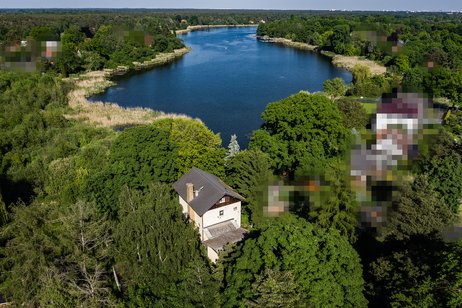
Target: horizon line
228	9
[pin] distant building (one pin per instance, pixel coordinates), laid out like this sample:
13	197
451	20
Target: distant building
398	126
213	207
51	49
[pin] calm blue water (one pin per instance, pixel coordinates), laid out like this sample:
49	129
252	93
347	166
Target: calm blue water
226	80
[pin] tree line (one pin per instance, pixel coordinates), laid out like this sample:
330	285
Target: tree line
88	41
422	51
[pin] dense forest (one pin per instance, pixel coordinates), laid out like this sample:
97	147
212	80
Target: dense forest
88	215
424	50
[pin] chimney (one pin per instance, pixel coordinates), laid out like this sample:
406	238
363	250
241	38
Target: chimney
189	192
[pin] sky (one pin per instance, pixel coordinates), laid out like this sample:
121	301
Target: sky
374	5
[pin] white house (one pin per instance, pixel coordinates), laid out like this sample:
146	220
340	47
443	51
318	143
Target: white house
399	125
213	207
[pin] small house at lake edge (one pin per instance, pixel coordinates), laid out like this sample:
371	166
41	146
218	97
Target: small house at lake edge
213	207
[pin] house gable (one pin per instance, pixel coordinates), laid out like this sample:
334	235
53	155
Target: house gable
208	190
213	207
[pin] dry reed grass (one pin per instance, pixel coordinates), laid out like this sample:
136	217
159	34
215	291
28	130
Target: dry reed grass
290	43
349	62
106	114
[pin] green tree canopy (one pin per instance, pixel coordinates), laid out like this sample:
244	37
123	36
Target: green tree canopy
72	37
301	130
139	156
325	267
197	145
157	252
43	33
248	172
419	210
443	165
276	289
56	255
3	212
333	204
444	82
353	113
421	271
143	154
335	87
360	73
105	41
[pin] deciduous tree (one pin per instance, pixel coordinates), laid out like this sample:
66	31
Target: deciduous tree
249	172
325	267
197	145
3	212
419	210
300	130
335	87
157	251
353	113
56	255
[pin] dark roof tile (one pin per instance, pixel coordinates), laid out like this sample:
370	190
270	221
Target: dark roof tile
211	189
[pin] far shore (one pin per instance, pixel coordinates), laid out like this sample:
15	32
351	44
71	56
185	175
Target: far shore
206	27
106	114
347	62
288	43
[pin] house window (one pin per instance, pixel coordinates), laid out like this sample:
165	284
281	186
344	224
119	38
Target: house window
235	208
222	200
222	212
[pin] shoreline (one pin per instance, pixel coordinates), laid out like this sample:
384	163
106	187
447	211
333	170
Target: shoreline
346	62
111	115
288	43
207	27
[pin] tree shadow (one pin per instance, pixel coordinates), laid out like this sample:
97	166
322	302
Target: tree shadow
16	191
399	265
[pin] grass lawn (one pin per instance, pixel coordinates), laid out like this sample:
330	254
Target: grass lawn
370	107
369	103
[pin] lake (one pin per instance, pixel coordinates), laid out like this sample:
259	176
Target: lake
226	80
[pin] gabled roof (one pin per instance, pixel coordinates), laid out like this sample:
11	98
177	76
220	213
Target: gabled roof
212	189
409	105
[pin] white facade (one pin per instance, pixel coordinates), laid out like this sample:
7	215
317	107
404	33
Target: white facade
223	213
184	206
383	120
229	212
213	207
212	254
